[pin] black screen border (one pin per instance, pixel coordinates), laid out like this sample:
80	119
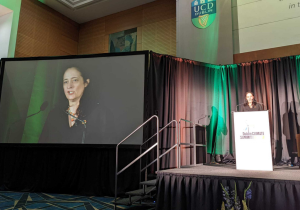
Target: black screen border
146	53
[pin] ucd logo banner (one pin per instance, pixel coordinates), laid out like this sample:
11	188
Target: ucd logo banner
203	12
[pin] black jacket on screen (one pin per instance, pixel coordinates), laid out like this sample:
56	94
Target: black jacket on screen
99	126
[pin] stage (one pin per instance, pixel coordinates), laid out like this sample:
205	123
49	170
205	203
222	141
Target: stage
199	187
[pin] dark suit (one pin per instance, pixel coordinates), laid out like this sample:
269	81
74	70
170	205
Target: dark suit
256	107
98	125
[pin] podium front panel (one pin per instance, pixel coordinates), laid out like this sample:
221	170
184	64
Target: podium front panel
252	141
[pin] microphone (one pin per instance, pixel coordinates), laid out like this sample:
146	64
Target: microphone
259	103
203	118
83	122
238	105
42	108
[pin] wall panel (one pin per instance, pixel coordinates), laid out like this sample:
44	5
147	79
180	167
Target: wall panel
155	22
44	32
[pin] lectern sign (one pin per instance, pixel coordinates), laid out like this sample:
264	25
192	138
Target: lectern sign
252	141
252	135
203	12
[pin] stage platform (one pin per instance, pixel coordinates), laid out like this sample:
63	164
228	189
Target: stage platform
199	187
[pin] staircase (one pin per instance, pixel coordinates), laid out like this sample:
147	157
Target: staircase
141	196
148	192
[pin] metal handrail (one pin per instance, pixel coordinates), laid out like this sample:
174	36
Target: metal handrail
136	159
117	148
154	116
193	144
160	131
175	145
179	156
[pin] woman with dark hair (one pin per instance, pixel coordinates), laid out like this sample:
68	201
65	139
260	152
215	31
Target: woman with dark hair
81	120
251	104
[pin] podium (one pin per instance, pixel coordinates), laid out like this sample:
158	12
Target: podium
252	141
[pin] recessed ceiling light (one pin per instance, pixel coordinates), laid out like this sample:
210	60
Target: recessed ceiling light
78	4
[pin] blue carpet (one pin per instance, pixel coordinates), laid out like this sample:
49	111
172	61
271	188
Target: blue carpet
48	201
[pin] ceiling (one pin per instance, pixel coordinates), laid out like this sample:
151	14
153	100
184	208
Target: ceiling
82	11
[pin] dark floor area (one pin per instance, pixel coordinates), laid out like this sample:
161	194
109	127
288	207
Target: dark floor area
47	201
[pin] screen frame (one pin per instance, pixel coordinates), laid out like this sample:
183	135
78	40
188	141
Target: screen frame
146	54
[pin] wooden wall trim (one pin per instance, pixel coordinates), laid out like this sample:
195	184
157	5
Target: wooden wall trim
267	54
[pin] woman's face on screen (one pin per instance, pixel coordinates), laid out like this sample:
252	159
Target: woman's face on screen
74	84
249	97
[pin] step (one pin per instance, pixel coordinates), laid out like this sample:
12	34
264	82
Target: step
144	204
149	183
141	191
126	201
149	202
151	176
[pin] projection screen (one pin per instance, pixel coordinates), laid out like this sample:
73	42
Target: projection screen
106	91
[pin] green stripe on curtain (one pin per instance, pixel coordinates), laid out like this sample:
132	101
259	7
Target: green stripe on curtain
217	128
46	87
33	126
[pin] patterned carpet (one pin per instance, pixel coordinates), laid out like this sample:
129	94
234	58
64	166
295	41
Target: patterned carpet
16	200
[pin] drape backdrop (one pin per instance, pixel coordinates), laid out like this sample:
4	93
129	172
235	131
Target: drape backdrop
207	94
175	88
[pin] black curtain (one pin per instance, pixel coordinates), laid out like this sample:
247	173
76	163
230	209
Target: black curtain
196	192
207	94
67	169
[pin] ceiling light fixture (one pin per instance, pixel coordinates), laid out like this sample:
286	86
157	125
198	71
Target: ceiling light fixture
79	4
